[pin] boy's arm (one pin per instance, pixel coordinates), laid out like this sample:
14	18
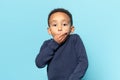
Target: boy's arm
82	65
46	53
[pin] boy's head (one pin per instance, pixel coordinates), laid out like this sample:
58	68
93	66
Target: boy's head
60	22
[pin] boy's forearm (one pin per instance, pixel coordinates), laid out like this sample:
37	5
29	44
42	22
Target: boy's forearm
46	53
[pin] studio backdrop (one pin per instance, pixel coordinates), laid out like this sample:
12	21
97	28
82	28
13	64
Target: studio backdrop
23	28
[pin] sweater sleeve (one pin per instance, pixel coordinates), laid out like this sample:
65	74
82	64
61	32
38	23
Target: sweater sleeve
46	53
82	65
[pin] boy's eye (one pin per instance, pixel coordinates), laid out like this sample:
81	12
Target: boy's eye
65	24
54	25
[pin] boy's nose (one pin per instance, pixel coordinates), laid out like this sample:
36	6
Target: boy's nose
59	28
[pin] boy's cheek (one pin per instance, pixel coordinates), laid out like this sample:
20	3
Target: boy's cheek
66	32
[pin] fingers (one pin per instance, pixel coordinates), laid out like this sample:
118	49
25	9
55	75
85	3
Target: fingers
60	38
64	34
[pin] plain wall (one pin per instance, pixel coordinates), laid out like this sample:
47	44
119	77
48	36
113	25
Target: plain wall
23	28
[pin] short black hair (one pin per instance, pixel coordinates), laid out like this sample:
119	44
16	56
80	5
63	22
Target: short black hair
61	10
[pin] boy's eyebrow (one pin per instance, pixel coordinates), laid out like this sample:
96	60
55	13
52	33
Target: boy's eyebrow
52	21
66	20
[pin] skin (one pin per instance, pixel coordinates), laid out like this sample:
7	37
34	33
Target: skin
60	26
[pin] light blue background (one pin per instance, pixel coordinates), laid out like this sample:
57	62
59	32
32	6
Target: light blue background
23	28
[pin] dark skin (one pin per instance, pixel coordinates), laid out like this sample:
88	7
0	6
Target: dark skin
60	26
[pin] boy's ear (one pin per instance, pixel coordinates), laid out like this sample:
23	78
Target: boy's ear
72	29
49	31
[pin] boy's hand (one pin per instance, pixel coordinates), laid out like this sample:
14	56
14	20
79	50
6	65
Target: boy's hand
60	38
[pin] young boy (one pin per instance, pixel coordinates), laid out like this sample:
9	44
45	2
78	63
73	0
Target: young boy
64	55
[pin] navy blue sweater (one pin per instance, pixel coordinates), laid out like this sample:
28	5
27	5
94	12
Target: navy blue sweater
67	61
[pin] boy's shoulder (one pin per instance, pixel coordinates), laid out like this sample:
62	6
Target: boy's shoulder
75	36
47	41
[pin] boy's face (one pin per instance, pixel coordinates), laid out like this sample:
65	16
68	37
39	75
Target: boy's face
59	24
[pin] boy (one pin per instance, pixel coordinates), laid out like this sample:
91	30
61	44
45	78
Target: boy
65	54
